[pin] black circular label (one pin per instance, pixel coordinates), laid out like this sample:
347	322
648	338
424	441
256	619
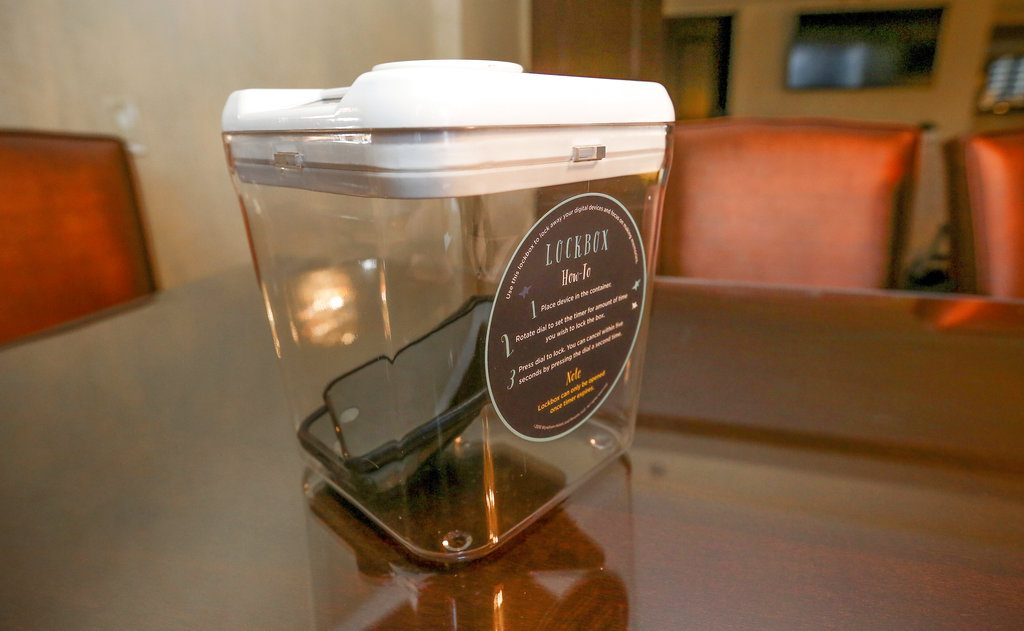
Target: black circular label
565	317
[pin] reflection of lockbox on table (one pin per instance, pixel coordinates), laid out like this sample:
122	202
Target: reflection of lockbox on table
383	219
573	570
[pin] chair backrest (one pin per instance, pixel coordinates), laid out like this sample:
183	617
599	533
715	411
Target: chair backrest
987	182
71	238
807	202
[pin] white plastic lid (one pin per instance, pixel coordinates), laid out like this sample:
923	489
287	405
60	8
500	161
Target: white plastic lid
447	129
451	93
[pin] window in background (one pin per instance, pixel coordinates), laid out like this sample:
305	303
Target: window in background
1004	77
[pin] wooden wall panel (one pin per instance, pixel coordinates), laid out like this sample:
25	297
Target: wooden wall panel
598	38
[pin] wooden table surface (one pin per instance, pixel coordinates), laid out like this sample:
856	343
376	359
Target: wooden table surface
804	460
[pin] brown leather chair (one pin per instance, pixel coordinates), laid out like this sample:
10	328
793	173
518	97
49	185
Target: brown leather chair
71	239
806	202
987	186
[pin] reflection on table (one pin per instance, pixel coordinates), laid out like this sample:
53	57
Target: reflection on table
691	532
805	460
562	579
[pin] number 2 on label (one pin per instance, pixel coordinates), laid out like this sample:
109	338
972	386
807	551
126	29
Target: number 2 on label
508	348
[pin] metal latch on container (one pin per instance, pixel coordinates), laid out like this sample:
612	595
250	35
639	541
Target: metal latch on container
288	159
588	153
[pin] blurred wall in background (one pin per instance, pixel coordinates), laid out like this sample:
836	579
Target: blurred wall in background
762	30
157	72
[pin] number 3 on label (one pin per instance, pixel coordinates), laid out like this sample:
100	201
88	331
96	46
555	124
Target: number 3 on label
511	379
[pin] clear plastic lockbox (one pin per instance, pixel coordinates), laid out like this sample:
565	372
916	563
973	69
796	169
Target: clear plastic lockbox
456	262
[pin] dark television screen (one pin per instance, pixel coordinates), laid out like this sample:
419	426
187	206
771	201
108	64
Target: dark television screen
863	49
